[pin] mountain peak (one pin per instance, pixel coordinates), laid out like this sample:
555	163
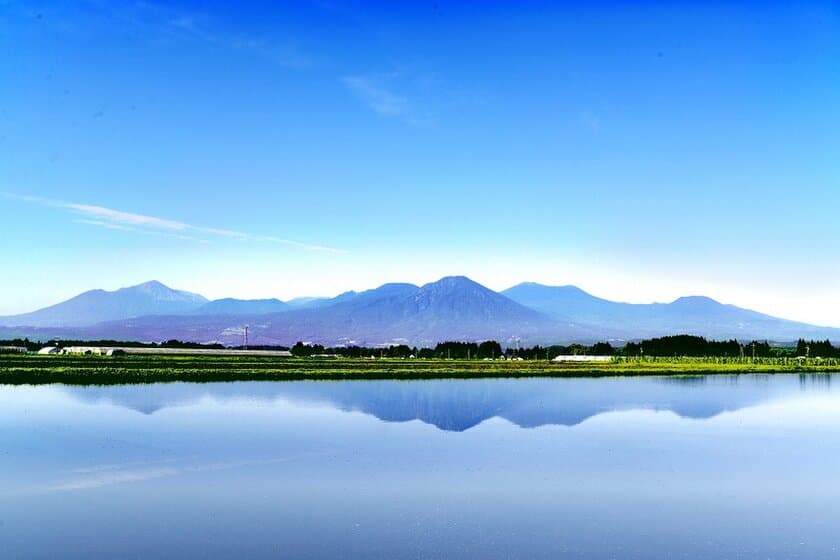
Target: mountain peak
696	301
559	301
450	282
152	284
150	287
396	286
537	286
96	306
159	291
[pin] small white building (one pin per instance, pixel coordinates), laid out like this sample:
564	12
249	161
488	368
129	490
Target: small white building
49	350
581	358
13	350
85	350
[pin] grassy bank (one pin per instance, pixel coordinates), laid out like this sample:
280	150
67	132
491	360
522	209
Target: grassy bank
33	369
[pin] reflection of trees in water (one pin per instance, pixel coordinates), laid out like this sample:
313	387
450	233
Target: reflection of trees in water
684	380
815	380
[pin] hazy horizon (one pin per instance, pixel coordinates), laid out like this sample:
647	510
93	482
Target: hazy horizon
640	153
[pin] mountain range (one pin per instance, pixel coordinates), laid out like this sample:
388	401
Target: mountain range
453	308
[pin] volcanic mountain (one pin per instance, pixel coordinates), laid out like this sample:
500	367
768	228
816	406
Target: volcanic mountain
453	308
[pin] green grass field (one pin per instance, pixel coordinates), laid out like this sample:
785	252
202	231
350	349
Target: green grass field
33	369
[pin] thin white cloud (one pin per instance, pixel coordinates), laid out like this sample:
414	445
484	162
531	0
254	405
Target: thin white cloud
124	218
110	479
118	466
198	27
381	100
377	98
590	121
140	223
106	225
120	227
124	474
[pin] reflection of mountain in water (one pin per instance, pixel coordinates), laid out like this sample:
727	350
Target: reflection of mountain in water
457	405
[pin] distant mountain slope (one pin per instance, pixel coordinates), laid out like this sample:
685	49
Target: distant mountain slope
96	306
306	302
561	301
358	297
231	306
452	308
687	315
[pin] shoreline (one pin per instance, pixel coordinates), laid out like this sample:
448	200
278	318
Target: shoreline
118	370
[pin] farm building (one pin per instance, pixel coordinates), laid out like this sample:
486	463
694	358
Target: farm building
85	350
13	350
49	350
582	358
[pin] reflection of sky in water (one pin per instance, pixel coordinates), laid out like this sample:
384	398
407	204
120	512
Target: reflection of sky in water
630	468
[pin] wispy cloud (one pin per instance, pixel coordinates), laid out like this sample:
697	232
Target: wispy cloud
120	227
110	479
382	100
141	223
160	21
590	121
377	98
198	27
109	475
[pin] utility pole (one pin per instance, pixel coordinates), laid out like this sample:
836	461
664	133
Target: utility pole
246	337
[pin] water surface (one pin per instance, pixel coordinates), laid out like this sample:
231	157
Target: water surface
706	467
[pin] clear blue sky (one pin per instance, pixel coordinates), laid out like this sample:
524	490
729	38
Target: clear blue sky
642	152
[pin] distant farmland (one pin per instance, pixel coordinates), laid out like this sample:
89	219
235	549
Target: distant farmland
124	369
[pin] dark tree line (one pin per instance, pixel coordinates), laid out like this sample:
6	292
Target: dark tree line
397	351
666	346
683	345
465	350
22	343
550	352
697	346
454	350
35	346
816	349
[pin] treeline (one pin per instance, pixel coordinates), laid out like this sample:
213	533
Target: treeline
22	343
307	350
697	346
488	349
666	346
453	350
686	345
816	349
34	346
551	352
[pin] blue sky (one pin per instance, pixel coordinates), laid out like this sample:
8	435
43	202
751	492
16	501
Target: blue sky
640	151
